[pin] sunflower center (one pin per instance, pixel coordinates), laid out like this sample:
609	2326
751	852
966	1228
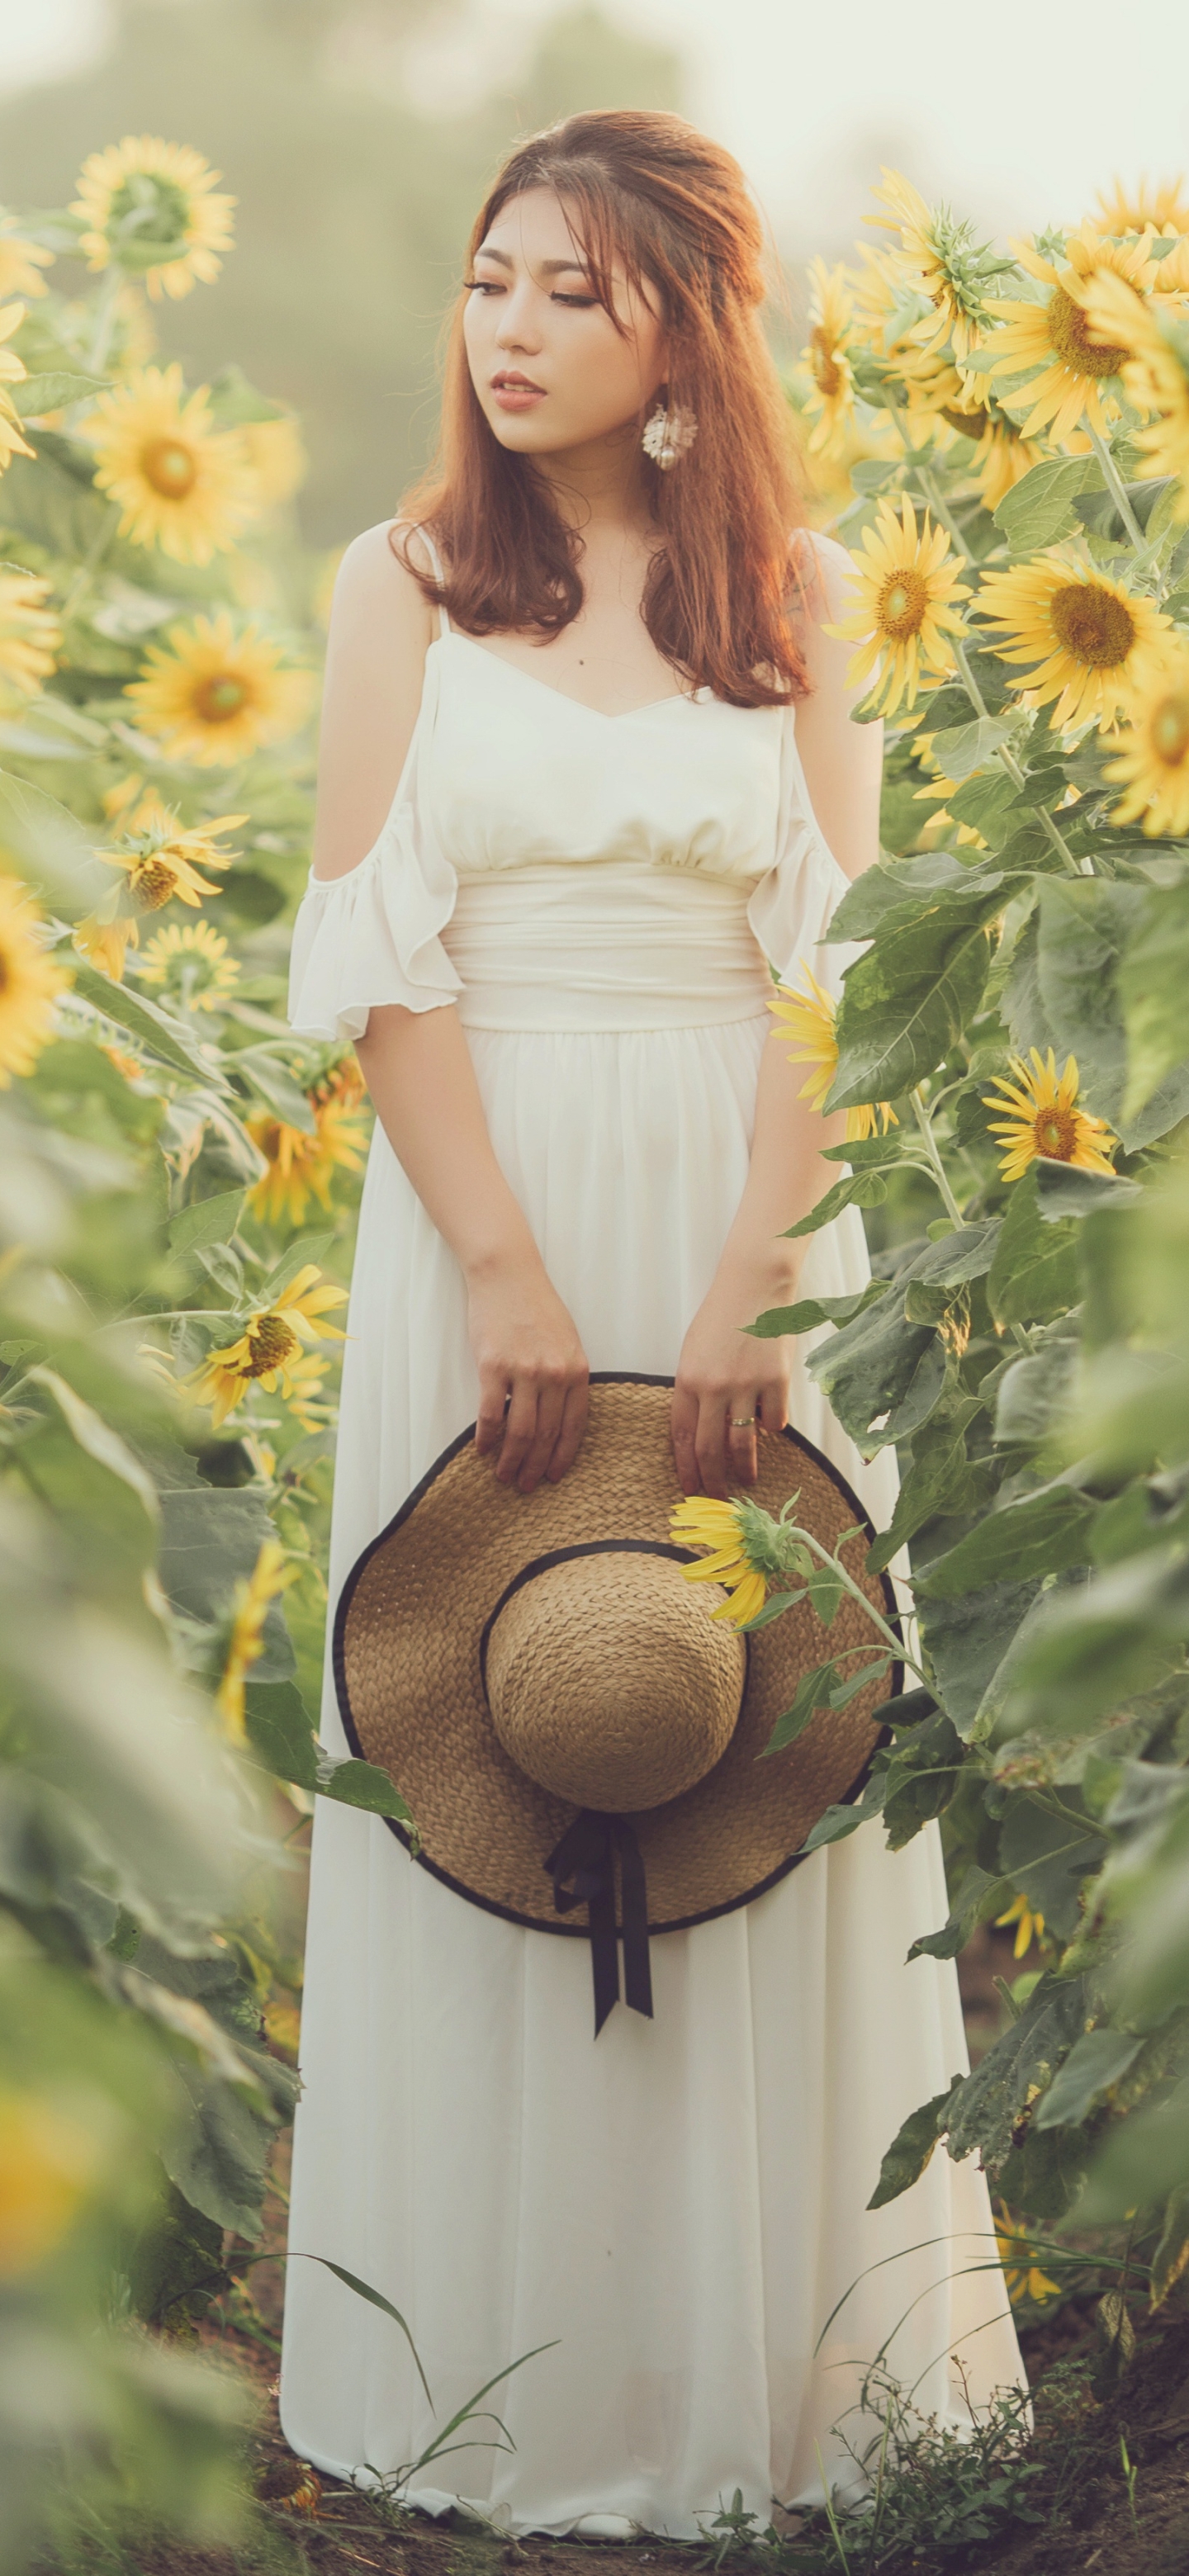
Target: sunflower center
169	467
1170	731
827	374
153	882
1095	625
220	697
903	601
1056	1132
147	208
1069	332
270	1342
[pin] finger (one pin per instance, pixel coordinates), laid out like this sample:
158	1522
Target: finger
772	1406
519	1427
551	1404
493	1408
683	1432
711	1446
742	1423
573	1426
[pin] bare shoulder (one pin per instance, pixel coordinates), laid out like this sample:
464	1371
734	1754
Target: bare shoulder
374	584
825	569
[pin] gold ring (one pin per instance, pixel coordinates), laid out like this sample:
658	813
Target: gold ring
743	1422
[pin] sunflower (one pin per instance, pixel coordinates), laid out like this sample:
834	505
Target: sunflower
148	206
939	390
1153	361
213	696
30	637
48	2156
701	1522
1040	1120
181	484
908	586
250	1601
301	1166
1023	2278
941	261
1029	1926
30	982
276	458
1054	337
809	1032
1133	210
831	329
190	959
159	863
12	372
1153	762
21	261
270	1347
1088	638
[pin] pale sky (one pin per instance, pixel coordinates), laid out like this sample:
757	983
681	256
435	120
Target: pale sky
1015	112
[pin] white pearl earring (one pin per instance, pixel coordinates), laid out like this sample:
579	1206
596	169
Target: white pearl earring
667	436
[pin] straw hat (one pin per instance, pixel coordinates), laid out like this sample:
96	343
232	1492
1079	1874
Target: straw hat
553	1698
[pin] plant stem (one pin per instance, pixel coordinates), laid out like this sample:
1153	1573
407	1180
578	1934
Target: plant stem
1009	761
857	1593
105	315
936	1165
942	511
1115	485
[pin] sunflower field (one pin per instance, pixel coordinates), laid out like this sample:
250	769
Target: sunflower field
175	1220
1001	439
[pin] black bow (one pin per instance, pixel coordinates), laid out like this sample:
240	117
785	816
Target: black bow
583	1872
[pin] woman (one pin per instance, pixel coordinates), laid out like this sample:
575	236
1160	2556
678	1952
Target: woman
587	772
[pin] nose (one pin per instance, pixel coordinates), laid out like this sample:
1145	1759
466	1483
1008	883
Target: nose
518	330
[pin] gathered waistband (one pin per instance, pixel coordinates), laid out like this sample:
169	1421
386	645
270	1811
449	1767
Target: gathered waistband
572	947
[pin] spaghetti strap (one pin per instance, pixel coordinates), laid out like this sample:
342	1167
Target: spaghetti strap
439	575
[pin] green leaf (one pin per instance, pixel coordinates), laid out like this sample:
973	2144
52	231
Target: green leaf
1153	981
1121	1632
1095	2062
1048	1857
1172	2252
375	2299
51	848
1034	1273
812	1693
98	1439
809	1313
361	1784
281	1731
212	1535
1039	1534
212	1220
912	2146
1034	1393
979	1899
907	1001
967	1639
1062	1190
855	1189
881	1365
970	746
921	1777
45	501
1020	2066
36	395
935	1478
906	887
1040	507
1085	928
838	1822
156	1029
276	1085
1145	2159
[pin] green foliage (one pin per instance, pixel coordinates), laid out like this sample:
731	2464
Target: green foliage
1024	1345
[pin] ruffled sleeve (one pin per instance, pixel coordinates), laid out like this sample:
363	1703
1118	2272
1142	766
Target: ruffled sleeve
374	935
792	904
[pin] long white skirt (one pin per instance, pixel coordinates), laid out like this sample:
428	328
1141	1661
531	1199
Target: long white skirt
677	2209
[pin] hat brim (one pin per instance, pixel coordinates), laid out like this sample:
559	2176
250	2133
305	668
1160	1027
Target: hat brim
407	1663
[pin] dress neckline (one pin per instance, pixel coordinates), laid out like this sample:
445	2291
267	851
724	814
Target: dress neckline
602	715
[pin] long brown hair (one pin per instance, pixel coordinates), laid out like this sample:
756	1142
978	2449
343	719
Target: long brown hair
676	209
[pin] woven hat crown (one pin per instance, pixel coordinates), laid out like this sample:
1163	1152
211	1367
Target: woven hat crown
608	1679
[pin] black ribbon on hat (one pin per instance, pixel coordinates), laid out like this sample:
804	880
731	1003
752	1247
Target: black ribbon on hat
583	1872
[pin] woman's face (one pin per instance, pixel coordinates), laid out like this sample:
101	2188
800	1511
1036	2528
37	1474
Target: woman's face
547	363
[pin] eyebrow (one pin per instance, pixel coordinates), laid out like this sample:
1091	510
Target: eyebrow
547	267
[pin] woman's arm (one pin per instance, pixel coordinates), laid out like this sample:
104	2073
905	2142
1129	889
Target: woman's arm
417	1066
723	1375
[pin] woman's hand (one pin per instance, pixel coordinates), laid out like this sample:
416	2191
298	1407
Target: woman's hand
728	1386
533	1372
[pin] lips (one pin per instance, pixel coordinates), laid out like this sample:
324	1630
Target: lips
510	391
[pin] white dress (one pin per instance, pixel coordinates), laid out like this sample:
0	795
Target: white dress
678	2207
